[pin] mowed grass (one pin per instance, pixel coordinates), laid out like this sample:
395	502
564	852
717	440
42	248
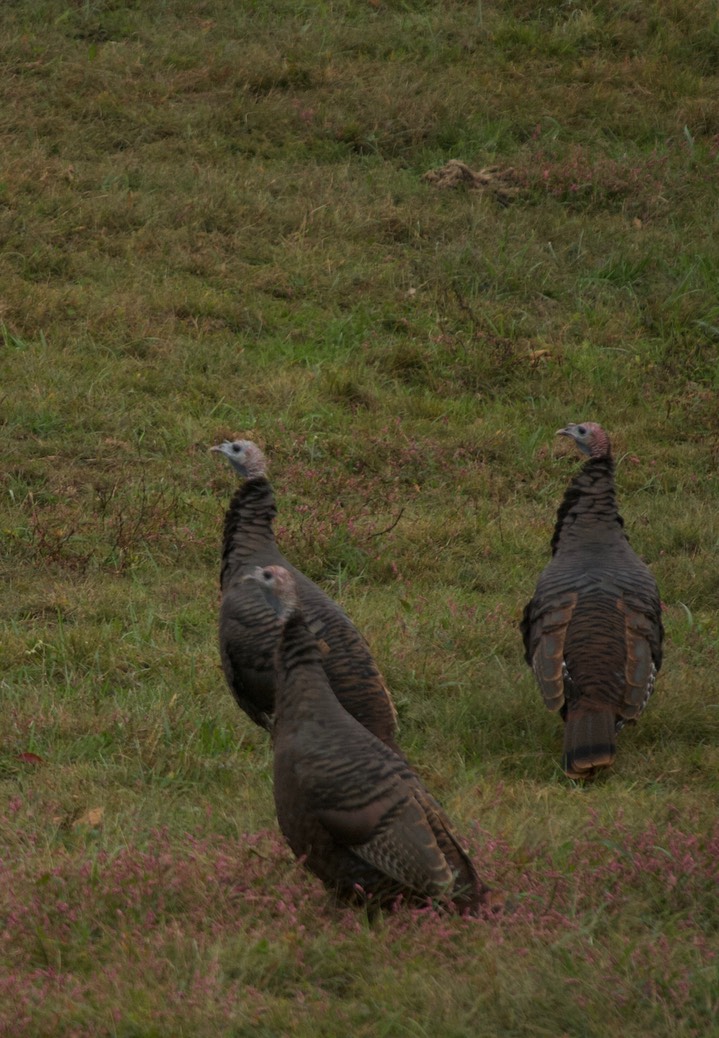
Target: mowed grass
214	222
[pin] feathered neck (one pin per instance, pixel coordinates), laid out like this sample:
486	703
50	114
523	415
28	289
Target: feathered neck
252	507
589	503
302	684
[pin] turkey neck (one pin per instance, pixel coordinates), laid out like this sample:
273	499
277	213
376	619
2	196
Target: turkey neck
589	508
302	685
247	523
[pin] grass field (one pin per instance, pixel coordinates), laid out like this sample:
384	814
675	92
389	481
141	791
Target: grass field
214	221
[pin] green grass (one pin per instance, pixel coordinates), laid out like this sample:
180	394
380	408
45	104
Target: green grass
213	221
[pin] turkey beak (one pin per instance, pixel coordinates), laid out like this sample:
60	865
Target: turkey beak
253	574
562	432
219	447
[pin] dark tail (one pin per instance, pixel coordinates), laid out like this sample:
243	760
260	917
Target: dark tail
590	740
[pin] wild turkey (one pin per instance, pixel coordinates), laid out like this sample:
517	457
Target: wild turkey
349	806
249	629
593	631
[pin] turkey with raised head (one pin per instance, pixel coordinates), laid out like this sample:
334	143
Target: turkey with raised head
249	629
593	630
349	807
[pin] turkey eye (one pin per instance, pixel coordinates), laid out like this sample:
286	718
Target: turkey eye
582	430
236	448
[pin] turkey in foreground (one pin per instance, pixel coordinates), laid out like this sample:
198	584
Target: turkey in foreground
353	810
249	628
593	630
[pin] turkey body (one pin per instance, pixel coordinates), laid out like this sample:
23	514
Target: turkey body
593	631
349	807
249	629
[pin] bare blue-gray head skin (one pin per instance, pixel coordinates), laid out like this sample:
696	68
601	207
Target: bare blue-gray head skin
278	587
245	457
589	437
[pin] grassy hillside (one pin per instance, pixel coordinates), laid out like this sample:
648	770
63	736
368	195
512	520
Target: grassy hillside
214	221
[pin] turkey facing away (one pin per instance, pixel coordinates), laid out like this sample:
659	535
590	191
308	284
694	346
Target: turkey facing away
347	804
249	629
593	630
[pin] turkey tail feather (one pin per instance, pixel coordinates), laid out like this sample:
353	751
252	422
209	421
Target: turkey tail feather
589	741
